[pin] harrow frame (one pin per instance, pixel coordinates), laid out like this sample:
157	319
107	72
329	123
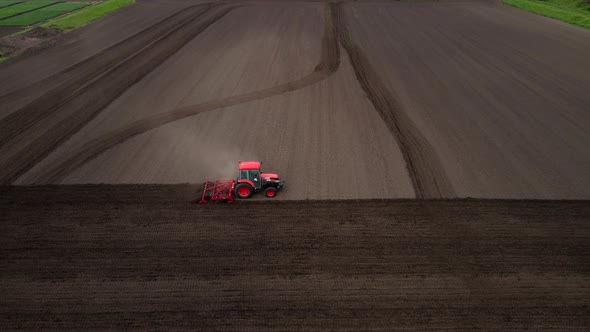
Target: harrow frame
220	190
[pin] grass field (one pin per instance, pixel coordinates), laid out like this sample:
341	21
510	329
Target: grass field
88	15
23	8
576	12
8	3
43	14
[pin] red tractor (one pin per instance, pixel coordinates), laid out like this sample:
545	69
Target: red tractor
251	179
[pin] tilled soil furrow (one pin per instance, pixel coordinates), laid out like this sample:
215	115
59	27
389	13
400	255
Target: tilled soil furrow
115	256
329	63
97	95
74	80
424	167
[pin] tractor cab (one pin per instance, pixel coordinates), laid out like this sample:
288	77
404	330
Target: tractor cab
249	172
251	179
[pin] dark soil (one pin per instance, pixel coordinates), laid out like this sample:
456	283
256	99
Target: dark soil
423	165
6	50
5	31
28	42
40	32
88	90
329	62
107	257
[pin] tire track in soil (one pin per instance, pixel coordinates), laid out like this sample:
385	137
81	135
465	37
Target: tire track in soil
424	167
75	79
329	63
86	104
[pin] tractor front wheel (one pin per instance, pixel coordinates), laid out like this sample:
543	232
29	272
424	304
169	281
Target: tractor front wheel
244	190
270	192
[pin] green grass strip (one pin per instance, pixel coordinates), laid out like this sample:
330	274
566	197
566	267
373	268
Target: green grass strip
43	14
24	7
575	12
8	3
87	15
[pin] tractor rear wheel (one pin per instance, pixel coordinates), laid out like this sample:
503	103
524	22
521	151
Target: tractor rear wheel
270	192
244	190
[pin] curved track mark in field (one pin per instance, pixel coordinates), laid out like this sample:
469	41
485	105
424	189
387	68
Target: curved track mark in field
329	63
86	104
424	167
72	81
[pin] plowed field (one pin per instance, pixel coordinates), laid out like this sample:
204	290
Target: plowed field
436	158
143	257
344	100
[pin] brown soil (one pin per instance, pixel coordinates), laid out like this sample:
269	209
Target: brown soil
78	45
361	99
105	257
328	64
5	31
67	83
6	50
30	42
40	32
407	110
480	84
424	167
84	93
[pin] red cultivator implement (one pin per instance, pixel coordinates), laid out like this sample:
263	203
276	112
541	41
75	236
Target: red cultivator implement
220	190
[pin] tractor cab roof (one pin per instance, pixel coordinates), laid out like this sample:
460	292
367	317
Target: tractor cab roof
249	165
